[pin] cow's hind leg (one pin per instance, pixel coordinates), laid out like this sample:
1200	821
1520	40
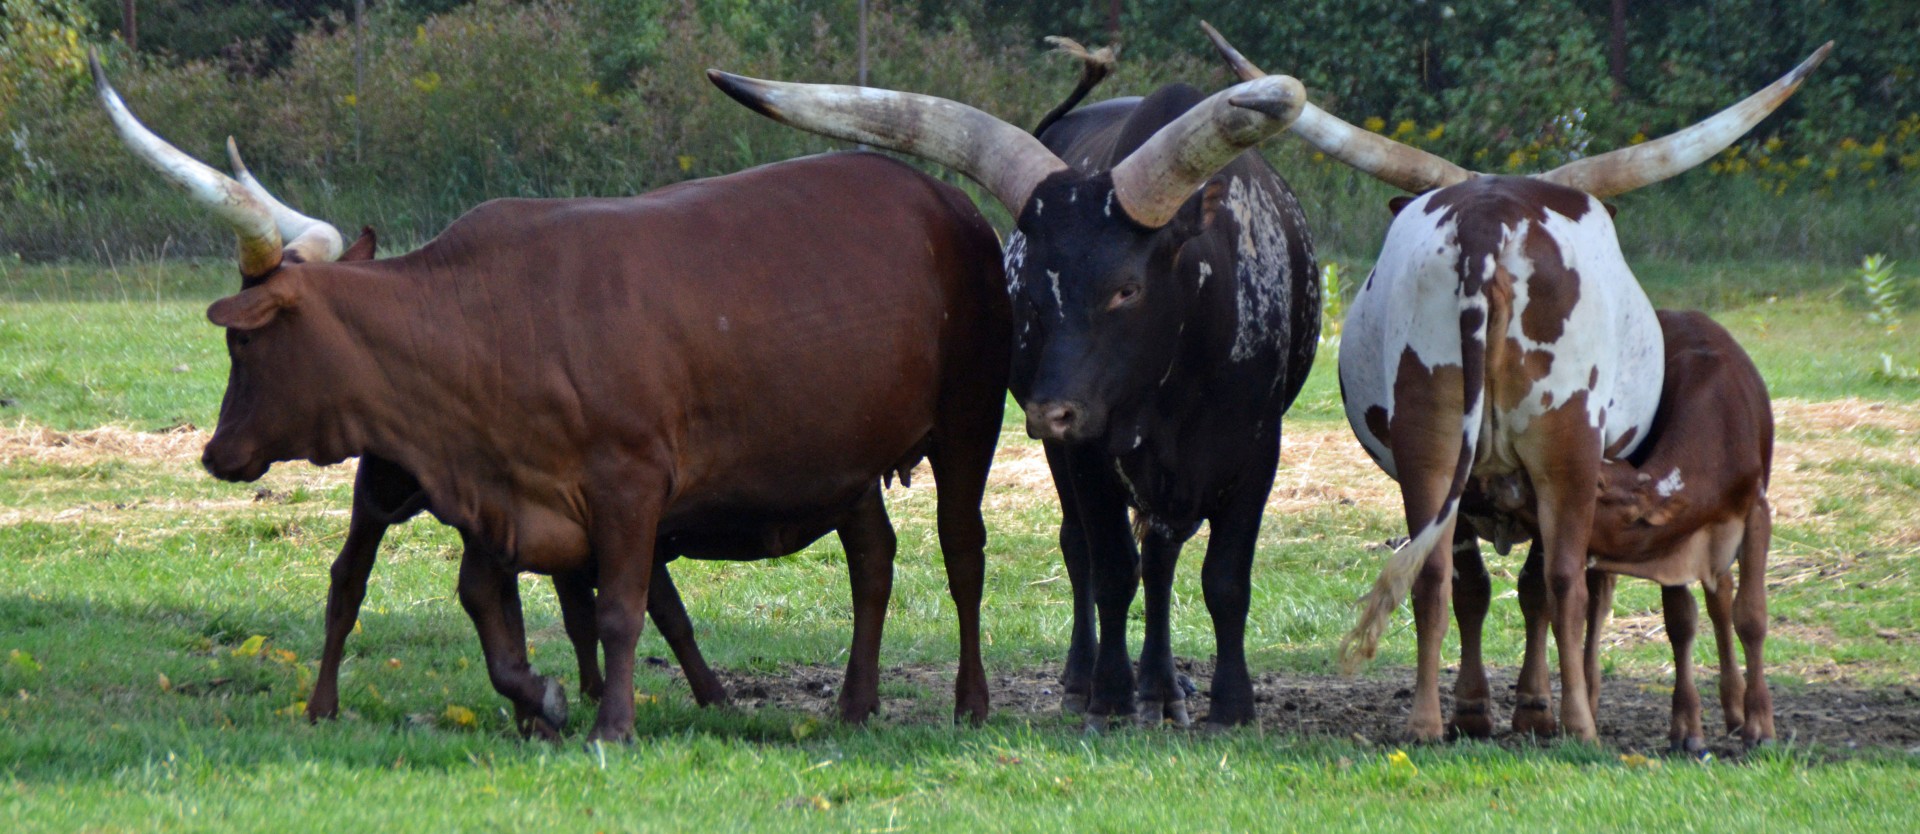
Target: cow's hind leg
622	537
1683	621
670	617
1564	459
1161	696
869	540
1750	622
1472	596
1533	698
962	454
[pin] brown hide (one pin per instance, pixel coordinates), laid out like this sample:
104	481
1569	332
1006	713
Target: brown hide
1714	426
723	368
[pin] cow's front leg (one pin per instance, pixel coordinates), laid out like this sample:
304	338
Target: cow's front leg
1472	596
1226	579
488	592
1600	585
1076	676
868	538
1161	696
348	588
1115	571
626	520
1684	733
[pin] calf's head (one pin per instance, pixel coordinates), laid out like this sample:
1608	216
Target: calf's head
1091	264
279	373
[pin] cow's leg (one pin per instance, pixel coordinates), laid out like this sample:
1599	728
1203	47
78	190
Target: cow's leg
1600	585
1115	572
574	590
1683	621
1226	578
670	617
962	454
626	521
1076	676
1533	698
491	599
346	590
1472	596
1431	590
868	538
1750	622
1564	458
1161	697
1733	689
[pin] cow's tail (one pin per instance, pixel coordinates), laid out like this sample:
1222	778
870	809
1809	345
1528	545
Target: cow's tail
1396	579
1095	66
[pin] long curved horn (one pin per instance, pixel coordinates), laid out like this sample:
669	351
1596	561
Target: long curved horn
1623	170
1159	176
310	238
1004	158
1401	166
229	200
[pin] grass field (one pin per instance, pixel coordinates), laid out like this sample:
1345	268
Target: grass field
161	628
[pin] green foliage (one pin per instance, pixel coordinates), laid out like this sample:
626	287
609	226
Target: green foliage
1333	304
1883	302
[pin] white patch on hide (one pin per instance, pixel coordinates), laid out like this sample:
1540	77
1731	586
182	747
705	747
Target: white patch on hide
1670	484
1263	254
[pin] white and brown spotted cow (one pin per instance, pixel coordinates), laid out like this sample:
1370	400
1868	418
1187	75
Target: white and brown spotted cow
1501	334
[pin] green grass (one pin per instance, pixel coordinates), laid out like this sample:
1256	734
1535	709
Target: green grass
130	587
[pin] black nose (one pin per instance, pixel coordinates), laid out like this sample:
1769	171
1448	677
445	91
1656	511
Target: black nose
1054	420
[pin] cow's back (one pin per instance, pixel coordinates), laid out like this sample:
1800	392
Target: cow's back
775	338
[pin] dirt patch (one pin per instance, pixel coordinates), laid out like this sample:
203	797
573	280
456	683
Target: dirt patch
1634	711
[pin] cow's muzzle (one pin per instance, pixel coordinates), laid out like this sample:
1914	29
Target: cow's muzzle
228	463
1063	420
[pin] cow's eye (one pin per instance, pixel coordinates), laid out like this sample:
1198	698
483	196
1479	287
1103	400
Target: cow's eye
1123	296
241	339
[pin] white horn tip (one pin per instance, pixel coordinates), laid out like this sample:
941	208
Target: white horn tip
1812	61
233	158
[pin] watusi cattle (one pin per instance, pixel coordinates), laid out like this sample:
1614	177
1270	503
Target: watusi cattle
1166	303
1688	507
724	368
1502	332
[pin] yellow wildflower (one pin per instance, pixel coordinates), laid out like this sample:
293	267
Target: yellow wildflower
686	162
459	716
1374	123
351	100
1831	173
1772	144
1438	131
1848	144
1399	762
1637	138
427	82
1405	128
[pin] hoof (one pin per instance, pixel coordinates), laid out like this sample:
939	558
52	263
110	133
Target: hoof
1155	713
1535	719
1186	684
1694	746
1071	704
1470	720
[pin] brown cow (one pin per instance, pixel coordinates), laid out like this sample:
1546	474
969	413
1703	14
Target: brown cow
1502	334
724	368
1690	506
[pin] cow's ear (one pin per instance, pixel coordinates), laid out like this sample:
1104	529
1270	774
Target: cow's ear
362	249
1198	215
253	308
1396	204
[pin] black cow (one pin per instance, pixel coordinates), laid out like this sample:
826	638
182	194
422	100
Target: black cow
1166	313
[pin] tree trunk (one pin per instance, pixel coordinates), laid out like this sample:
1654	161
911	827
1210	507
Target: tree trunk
130	25
1617	48
1113	21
